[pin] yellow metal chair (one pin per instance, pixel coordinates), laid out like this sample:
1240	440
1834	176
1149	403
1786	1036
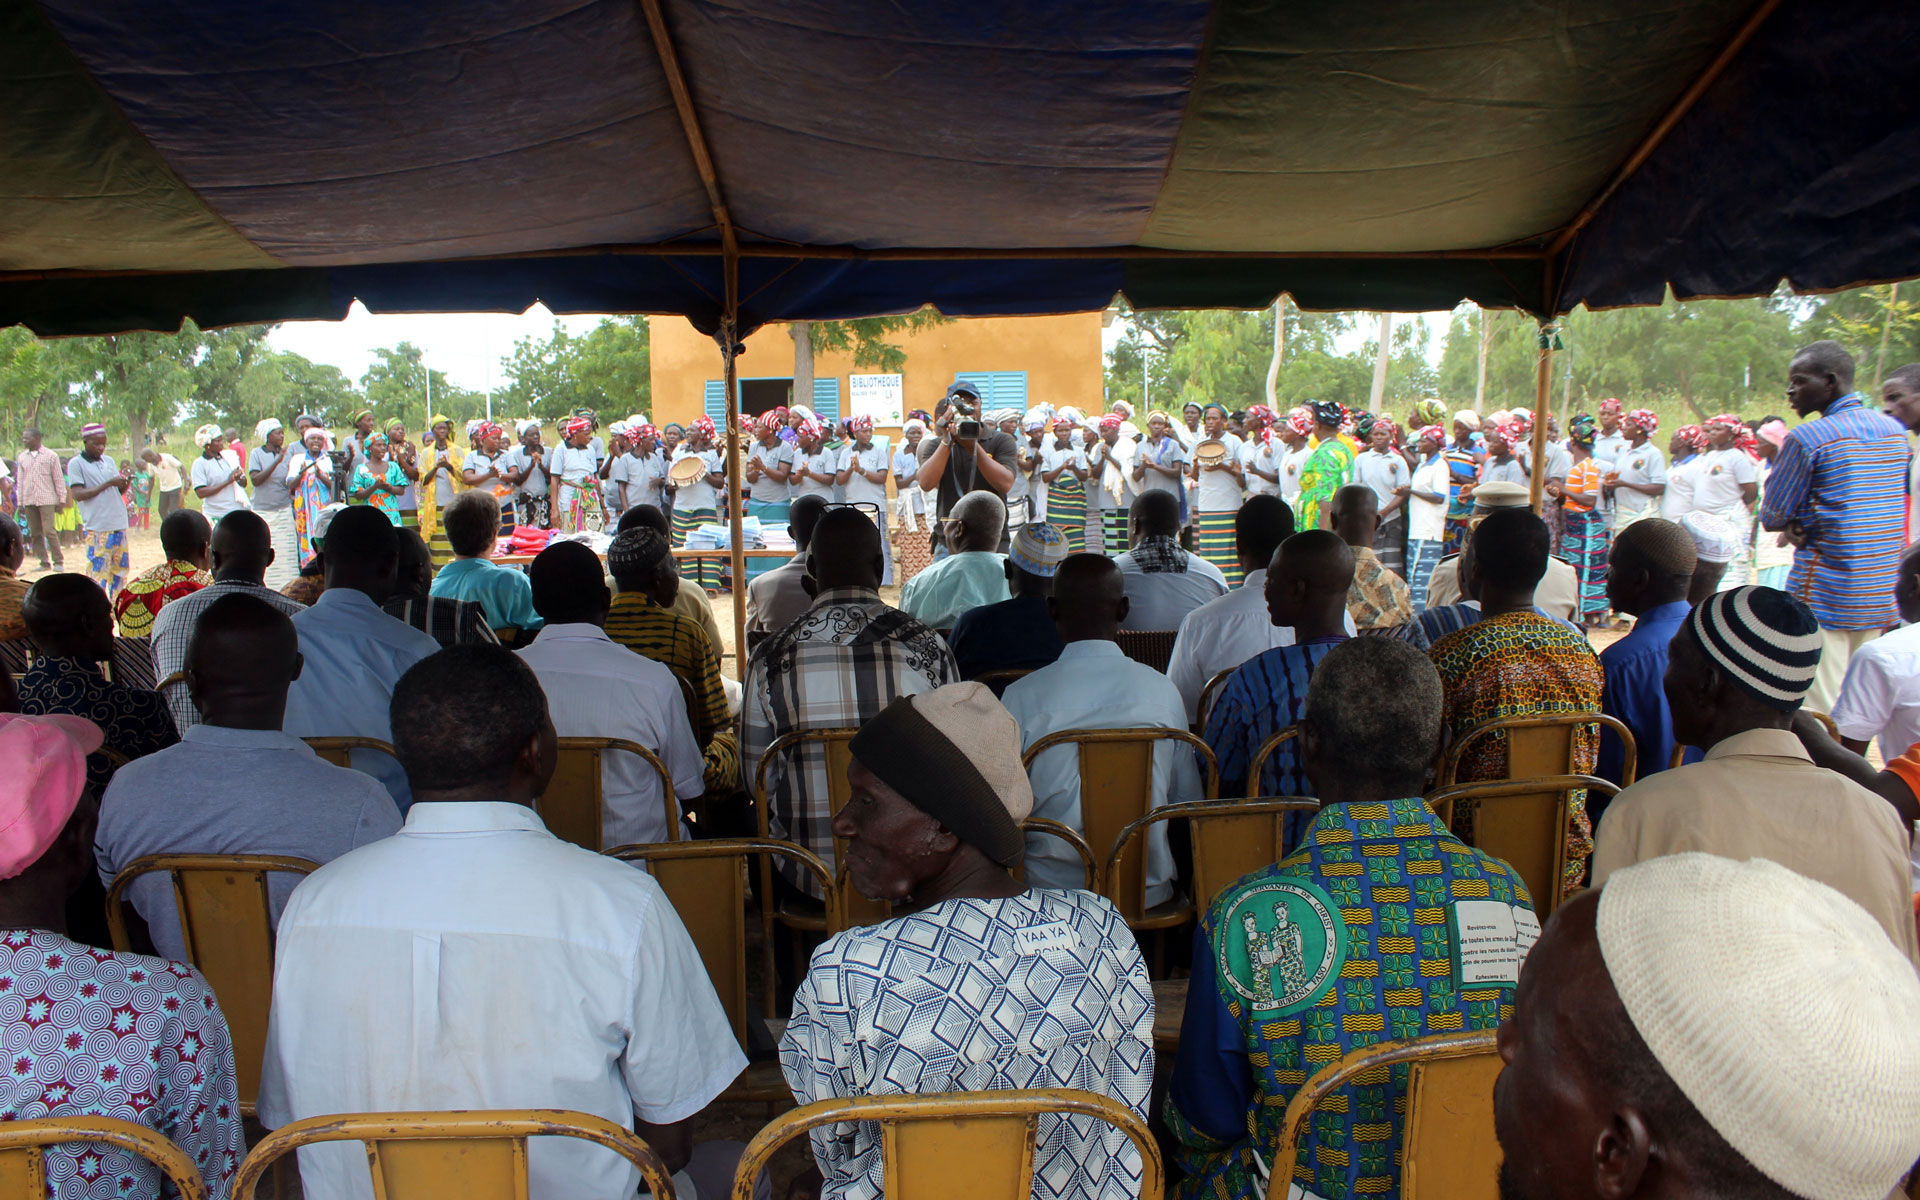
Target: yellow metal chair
573	807
339	750
953	1145
707	883
1523	823
1116	788
1209	694
1448	1151
1539	746
226	923
855	909
1090	868
23	1144
1280	738
478	1155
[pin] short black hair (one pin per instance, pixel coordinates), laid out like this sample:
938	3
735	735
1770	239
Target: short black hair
1262	523
460	716
360	535
472	522
9	534
802	515
1510	549
1376	703
415	578
569	584
1831	357
184	533
1156	513
1908	375
644	516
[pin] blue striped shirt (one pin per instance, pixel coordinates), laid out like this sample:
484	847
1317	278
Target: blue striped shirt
1844	478
1259	700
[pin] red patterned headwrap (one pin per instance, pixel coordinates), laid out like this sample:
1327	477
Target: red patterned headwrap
488	430
1610	407
704	424
644	430
1434	432
773	420
1393	430
1727	419
1300	421
1643	419
575	425
1692	435
1261	417
810	429
1111	421
861	423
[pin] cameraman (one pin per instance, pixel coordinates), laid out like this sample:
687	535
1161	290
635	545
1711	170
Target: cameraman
962	455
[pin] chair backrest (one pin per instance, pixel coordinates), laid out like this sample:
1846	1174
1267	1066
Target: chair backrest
178	678
954	1145
1066	833
132	663
573	807
707	883
1523	823
1448	1151
1153	647
1229	838
997	681
1540	745
16	654
476	1155
1116	788
857	909
339	750
1259	765
23	1144
226	923
1208	694
692	700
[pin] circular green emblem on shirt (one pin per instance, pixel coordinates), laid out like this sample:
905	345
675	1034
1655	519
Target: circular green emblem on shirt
1281	945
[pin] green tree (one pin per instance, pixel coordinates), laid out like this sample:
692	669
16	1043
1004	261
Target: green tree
1880	324
874	343
613	366
397	386
140	382
222	362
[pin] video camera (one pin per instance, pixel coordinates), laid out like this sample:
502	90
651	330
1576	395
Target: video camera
965	405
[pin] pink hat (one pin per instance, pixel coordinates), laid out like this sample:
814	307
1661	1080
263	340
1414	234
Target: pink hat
38	792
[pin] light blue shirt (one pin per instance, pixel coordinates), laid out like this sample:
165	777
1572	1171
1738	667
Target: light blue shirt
954	585
353	655
1094	686
506	595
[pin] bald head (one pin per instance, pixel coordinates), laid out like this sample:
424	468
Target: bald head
569	586
243	657
845	551
184	536
242	548
68	616
1355	514
979	520
802	516
1089	599
1155	514
363	552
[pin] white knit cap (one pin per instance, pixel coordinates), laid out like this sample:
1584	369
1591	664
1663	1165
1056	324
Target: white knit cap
1780	1009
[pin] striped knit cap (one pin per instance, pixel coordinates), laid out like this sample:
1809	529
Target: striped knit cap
1767	641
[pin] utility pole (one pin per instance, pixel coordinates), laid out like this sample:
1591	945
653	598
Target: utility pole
1279	350
1886	327
1480	381
1379	392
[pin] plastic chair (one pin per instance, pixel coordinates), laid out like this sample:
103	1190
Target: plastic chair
1539	746
707	883
1116	787
1448	1151
1523	823
1208	694
226	924
1090	878
23	1164
476	1155
855	909
574	805
954	1145
1260	757
1153	647
339	750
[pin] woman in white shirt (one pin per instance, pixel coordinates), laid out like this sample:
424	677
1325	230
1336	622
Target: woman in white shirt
1726	482
216	479
1772	556
1295	431
1684	449
697	503
1638	477
1217	491
576	468
1063	472
1382	469
1426	513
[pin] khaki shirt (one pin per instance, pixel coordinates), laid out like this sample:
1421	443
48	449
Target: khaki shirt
1558	594
1758	795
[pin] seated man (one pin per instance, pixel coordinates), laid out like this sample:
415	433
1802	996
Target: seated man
1307	586
691	599
644	619
1648	572
71	624
1095	686
472	523
448	621
1514	662
974	571
1378	599
352	652
184	535
987	984
1660	1042
595	689
235	784
13	589
1301	962
1739	668
1016	634
844	660
775	598
1880	697
1164	582
168	1058
565	978
1559	591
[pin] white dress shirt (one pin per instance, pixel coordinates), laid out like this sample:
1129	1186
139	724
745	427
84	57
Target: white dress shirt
1162	599
352	655
1092	685
1881	695
598	688
474	960
1221	634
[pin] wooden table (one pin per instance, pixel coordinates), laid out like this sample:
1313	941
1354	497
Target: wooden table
523	559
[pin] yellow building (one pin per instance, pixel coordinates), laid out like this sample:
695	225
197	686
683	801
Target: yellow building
1016	361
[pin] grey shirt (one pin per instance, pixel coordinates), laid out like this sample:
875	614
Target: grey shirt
233	791
272	494
107	511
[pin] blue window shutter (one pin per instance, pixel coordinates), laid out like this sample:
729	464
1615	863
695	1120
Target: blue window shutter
826	401
998	389
717	402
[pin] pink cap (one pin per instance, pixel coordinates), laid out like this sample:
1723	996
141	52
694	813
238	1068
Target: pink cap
46	768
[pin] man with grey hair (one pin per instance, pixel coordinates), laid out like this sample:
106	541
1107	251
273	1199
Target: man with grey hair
1263	1009
973	573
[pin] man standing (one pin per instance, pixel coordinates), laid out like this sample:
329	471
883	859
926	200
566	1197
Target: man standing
1838	489
41	493
98	485
971	575
951	465
1648	574
1164	581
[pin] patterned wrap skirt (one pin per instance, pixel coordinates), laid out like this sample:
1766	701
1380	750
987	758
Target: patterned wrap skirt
107	559
1390	542
1067	509
1587	545
1216	543
1423	557
1113	531
703	571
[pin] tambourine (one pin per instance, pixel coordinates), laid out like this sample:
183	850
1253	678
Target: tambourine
1210	453
691	469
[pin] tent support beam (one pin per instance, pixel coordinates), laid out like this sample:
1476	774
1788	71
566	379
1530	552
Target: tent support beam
728	335
1656	135
1542	385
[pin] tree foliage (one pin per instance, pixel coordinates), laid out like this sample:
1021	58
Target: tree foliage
607	370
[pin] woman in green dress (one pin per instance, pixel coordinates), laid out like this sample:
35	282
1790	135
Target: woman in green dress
1327	469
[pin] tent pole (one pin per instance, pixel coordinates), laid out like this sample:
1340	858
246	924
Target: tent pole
1537	477
730	348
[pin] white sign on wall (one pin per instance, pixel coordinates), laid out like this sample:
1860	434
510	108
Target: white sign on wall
882	397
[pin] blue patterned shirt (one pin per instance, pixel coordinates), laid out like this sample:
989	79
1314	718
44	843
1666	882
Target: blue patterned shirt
1259	700
1353	939
136	721
1844	478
